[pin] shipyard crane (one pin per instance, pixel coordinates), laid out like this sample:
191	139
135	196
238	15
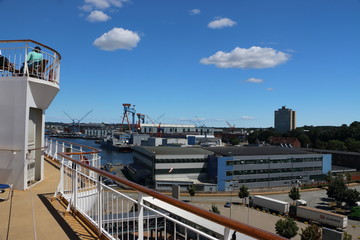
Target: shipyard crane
201	126
232	127
141	119
76	122
128	109
158	127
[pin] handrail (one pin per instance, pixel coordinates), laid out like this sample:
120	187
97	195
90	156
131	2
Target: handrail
29	40
10	149
39	148
219	219
96	150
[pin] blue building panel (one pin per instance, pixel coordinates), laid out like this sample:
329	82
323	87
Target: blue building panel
191	140
327	161
222	168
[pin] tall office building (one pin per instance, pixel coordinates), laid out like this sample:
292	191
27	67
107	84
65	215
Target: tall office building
285	119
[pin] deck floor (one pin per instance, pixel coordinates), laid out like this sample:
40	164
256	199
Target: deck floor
35	214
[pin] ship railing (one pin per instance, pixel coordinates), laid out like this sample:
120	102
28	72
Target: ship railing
86	154
16	52
131	211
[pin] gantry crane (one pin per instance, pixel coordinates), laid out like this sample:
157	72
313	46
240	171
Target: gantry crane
141	119
128	109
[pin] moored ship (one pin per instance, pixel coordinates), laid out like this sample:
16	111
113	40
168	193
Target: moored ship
119	141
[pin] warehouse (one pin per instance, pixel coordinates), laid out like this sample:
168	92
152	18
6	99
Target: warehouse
264	167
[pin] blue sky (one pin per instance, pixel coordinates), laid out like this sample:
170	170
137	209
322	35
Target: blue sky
206	61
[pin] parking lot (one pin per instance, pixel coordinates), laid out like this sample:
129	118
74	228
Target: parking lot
265	220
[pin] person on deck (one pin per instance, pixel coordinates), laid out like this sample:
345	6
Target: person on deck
5	63
34	58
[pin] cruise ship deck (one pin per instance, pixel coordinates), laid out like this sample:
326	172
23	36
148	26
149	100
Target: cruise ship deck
59	189
35	214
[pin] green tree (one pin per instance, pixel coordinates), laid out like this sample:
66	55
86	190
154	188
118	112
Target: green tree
347	236
337	188
286	228
351	196
312	232
235	141
244	192
214	209
336	145
328	177
294	193
192	191
352	145
304	140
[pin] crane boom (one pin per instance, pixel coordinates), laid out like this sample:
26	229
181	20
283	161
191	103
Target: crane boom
85	115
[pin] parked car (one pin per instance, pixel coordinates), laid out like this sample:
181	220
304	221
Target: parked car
227	204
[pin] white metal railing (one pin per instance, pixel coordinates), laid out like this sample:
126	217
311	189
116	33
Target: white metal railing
141	214
13	60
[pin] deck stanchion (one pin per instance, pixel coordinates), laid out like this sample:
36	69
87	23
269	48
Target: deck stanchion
141	217
100	203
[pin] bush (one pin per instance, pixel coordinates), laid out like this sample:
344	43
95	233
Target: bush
286	228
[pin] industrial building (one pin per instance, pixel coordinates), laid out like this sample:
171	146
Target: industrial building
263	167
285	119
227	168
165	166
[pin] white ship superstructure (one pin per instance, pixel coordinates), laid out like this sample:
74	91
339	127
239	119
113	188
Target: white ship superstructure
26	91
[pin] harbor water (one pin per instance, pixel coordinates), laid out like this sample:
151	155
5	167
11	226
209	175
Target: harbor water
107	155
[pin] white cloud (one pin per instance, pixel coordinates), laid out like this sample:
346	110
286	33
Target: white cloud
86	8
254	80
247	118
98	16
221	23
117	38
270	89
194	11
104	4
254	57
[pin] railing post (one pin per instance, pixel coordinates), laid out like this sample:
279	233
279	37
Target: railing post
51	148
56	150
227	234
100	204
75	185
63	150
141	216
60	188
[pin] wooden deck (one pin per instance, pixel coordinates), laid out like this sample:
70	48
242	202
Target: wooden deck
31	214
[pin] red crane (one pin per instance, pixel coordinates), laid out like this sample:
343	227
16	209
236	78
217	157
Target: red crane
158	127
232	127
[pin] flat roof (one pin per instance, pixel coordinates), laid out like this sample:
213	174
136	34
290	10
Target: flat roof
161	150
334	152
262	150
335	168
